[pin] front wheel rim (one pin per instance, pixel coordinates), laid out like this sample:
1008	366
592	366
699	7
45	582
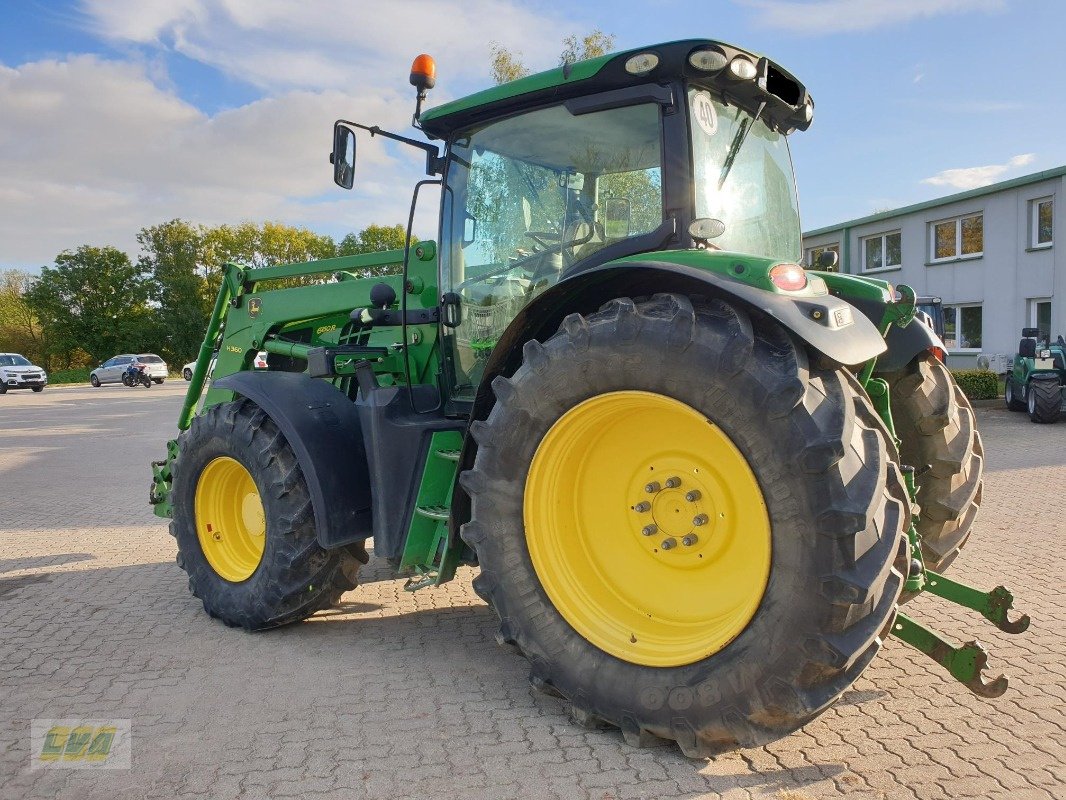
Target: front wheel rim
230	521
647	528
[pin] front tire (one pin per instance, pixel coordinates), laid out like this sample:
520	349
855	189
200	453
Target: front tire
37	389
245	527
94	381
1013	403
186	374
825	482
937	428
1044	399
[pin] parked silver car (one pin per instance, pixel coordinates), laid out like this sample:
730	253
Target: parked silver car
18	372
111	370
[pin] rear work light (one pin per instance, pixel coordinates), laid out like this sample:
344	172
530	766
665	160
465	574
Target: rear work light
788	277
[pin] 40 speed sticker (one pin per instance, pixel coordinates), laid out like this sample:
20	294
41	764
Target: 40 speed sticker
703	111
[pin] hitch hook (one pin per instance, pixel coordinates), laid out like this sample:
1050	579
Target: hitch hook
966	663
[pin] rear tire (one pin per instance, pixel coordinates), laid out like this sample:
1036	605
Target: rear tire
831	489
1044	400
295	577
1013	403
157	380
938	430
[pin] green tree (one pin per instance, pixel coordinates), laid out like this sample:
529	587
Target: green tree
506	65
592	45
20	330
92	299
374	239
172	259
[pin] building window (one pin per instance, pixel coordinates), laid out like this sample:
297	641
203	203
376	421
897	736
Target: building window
881	251
962	327
1041	212
962	237
814	253
1040	318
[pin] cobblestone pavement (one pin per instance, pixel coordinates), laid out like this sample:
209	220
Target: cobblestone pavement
399	695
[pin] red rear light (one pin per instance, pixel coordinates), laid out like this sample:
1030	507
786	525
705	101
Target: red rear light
788	277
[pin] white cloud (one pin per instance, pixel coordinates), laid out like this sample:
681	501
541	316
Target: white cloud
973	177
838	16
339	44
92	150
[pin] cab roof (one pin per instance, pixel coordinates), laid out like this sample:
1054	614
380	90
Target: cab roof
784	96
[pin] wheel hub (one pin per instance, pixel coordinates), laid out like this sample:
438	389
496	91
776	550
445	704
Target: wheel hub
647	528
230	521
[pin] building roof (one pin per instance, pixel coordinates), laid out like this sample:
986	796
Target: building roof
1013	183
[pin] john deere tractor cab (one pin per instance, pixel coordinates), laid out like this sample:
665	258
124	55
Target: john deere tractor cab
1035	382
695	479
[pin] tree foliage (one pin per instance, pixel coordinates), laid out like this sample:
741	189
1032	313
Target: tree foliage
93	299
374	239
591	45
20	330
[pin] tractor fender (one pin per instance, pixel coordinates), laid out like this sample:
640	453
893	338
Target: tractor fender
903	343
851	343
322	426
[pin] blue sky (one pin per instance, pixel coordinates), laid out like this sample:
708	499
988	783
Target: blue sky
116	114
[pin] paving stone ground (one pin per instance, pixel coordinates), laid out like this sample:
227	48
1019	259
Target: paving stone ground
397	695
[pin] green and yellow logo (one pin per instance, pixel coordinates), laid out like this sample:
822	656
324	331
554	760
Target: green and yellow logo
80	744
76	744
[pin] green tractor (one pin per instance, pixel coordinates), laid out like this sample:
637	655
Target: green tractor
696	479
1035	381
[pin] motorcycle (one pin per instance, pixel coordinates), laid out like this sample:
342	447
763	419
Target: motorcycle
135	374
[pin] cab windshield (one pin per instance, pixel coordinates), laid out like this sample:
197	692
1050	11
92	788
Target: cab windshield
743	177
14	361
528	196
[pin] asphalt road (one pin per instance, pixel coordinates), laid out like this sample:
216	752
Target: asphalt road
407	695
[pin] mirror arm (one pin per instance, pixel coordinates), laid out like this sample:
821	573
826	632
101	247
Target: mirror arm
434	162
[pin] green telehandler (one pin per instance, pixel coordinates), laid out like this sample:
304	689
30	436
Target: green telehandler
697	480
1037	377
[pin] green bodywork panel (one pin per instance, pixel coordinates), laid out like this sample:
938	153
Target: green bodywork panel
855	287
1025	369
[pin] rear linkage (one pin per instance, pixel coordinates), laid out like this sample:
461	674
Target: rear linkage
967	662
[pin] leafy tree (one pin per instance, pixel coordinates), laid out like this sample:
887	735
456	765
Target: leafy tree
506	65
93	299
20	330
592	45
172	259
374	239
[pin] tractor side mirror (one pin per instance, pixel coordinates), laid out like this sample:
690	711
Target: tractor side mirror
827	260
343	156
617	217
1027	348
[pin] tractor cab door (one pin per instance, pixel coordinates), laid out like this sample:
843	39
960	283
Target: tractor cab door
528	199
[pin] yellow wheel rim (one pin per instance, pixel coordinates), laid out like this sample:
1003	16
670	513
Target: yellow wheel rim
647	528
230	522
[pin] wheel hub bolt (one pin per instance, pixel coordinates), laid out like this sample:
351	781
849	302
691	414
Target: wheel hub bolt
642	507
673	483
689	540
693	496
669	544
649	530
700	519
652	487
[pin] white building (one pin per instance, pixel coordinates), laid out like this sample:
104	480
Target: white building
988	253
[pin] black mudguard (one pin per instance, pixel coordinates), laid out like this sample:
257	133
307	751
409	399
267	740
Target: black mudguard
322	426
903	343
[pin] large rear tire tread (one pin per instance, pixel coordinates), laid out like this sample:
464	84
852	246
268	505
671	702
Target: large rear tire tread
832	486
939	438
296	577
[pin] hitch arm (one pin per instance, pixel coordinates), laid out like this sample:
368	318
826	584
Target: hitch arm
993	606
966	664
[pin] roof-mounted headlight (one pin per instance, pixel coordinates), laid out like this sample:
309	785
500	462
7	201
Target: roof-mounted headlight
808	110
742	68
642	63
710	59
